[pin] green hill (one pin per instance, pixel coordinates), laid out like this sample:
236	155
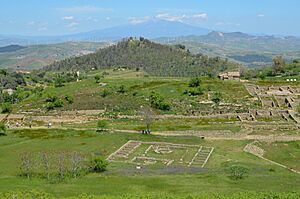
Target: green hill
155	59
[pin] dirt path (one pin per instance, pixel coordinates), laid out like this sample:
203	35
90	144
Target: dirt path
206	135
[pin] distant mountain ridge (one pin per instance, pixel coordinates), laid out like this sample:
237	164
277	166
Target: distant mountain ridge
247	49
152	29
11	48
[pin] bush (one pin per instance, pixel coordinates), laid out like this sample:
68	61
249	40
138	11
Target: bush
216	97
98	79
69	99
51	98
121	89
195	82
102	124
98	165
158	102
238	172
6	108
104	93
2	129
56	104
194	91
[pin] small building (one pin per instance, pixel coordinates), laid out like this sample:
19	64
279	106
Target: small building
230	76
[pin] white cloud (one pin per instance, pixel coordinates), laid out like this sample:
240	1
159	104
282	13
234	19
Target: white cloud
260	15
183	18
68	18
227	24
135	20
84	9
200	15
73	24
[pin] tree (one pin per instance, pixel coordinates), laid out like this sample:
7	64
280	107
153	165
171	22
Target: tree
278	65
98	165
26	164
76	161
195	82
238	172
62	167
45	157
216	98
147	116
102	125
158	102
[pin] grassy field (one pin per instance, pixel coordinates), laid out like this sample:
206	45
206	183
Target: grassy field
126	179
137	87
284	153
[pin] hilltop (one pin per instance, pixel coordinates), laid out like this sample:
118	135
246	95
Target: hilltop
142	54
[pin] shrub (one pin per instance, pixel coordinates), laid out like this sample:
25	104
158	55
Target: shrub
69	99
216	97
2	129
51	98
59	81
102	124
56	104
194	91
238	172
158	102
97	79
6	108
104	93
195	82
98	165
121	89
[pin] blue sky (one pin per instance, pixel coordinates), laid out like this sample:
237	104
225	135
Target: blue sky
59	17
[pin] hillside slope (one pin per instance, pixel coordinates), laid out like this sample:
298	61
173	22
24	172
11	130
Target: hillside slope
156	59
37	56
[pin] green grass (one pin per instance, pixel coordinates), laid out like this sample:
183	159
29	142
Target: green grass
126	179
286	153
87	94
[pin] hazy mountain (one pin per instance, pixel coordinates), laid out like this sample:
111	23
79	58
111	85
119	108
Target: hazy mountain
11	48
151	29
247	49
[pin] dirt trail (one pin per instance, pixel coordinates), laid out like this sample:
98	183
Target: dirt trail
204	134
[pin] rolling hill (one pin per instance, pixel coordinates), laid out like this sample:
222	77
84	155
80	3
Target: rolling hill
244	48
154	58
34	57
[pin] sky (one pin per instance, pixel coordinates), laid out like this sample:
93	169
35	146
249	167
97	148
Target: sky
61	17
